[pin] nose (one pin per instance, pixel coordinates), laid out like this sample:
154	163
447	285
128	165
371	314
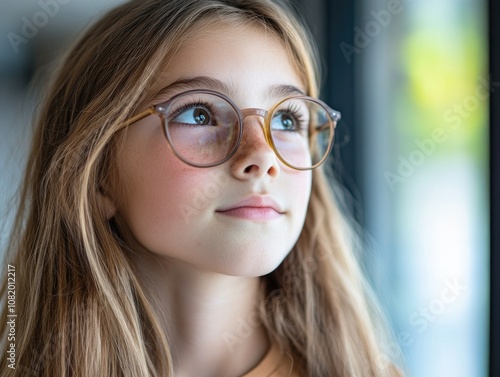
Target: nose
254	158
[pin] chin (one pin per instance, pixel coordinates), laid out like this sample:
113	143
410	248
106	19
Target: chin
251	267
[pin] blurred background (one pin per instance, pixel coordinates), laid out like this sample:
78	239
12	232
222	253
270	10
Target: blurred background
412	81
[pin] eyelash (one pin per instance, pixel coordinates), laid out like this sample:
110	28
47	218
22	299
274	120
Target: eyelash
294	111
291	109
175	113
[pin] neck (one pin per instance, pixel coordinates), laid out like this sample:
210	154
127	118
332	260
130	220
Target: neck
210	319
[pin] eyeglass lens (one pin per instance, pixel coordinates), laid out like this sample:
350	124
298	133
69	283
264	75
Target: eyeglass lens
203	129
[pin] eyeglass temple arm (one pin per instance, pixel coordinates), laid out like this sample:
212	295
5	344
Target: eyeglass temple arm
149	111
335	115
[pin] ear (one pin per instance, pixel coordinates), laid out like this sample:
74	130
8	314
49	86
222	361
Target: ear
106	203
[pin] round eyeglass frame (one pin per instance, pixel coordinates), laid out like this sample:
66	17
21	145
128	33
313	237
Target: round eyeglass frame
160	111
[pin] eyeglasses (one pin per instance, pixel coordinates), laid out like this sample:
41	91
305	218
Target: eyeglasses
204	128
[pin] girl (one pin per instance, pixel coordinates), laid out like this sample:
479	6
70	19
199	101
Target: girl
175	218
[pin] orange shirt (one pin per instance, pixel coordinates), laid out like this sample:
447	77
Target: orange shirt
274	364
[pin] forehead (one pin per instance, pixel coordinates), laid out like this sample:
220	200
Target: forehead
248	59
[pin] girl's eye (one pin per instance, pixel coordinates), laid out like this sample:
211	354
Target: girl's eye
285	121
197	115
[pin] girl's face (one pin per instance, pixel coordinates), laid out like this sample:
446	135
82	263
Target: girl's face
177	211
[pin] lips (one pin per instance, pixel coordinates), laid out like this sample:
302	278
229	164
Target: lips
254	208
256	203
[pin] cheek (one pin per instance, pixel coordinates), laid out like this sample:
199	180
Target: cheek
157	191
305	186
304	193
298	190
301	183
162	212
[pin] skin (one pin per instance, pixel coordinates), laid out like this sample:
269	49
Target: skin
203	268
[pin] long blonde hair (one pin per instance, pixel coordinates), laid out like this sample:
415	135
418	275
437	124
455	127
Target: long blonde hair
81	308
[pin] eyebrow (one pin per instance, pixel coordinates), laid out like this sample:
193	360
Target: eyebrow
205	82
